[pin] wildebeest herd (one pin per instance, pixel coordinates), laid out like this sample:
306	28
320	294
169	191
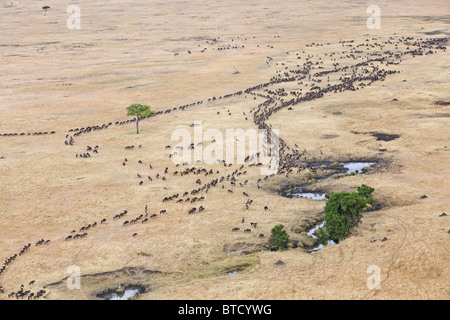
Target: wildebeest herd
315	77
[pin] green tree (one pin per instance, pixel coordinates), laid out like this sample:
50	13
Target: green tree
343	213
279	237
366	192
45	8
139	111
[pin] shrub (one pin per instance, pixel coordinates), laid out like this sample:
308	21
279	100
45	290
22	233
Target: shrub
279	237
366	192
343	213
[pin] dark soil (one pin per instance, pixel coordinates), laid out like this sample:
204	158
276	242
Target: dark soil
385	136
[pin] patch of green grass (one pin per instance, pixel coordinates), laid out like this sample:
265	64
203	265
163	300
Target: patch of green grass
228	265
145	254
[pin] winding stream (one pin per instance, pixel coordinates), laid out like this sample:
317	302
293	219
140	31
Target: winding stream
312	233
351	168
310	195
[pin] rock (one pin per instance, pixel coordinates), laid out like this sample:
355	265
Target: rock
279	263
423	197
384	239
443	214
373	240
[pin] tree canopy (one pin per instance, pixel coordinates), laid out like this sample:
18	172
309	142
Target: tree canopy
343	213
279	237
45	8
139	110
366	192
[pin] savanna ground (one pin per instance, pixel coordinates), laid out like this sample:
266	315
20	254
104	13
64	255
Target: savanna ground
57	79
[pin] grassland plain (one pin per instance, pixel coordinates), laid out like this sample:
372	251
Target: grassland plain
57	79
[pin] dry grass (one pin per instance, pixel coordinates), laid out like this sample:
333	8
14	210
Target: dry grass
58	79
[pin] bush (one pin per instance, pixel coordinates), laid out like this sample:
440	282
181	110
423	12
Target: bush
343	213
310	177
366	192
279	237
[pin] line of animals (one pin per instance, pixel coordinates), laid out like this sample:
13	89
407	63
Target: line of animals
350	77
21	292
421	44
44	133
